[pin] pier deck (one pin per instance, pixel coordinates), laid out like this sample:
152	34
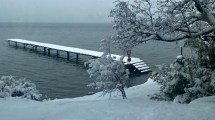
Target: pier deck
137	63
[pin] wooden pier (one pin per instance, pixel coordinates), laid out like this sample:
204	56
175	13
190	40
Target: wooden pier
136	64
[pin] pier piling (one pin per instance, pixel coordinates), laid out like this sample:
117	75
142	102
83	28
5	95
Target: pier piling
24	46
57	53
49	53
44	50
77	57
16	44
35	48
67	55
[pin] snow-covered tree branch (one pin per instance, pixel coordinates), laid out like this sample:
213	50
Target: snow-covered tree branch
168	20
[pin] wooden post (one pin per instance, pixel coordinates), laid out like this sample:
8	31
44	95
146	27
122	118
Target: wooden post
67	56
16	44
181	50
49	51
35	47
77	57
57	53
44	51
24	45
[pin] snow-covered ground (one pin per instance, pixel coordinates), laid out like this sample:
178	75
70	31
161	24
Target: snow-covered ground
138	106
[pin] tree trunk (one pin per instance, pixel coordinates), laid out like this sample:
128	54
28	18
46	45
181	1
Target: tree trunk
212	53
123	93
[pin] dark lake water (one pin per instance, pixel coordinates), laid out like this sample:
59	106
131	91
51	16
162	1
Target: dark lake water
58	78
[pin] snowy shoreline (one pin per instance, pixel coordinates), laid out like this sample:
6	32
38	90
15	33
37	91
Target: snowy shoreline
138	106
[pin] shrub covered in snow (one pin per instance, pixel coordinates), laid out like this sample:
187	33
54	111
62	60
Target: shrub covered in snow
205	49
12	87
183	81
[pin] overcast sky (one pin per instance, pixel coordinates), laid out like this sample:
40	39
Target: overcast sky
83	11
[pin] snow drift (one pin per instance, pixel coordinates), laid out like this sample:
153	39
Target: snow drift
138	106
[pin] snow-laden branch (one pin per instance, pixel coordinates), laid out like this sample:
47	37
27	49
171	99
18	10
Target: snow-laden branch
164	20
182	37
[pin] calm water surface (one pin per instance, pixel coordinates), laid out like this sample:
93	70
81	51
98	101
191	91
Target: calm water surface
58	78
